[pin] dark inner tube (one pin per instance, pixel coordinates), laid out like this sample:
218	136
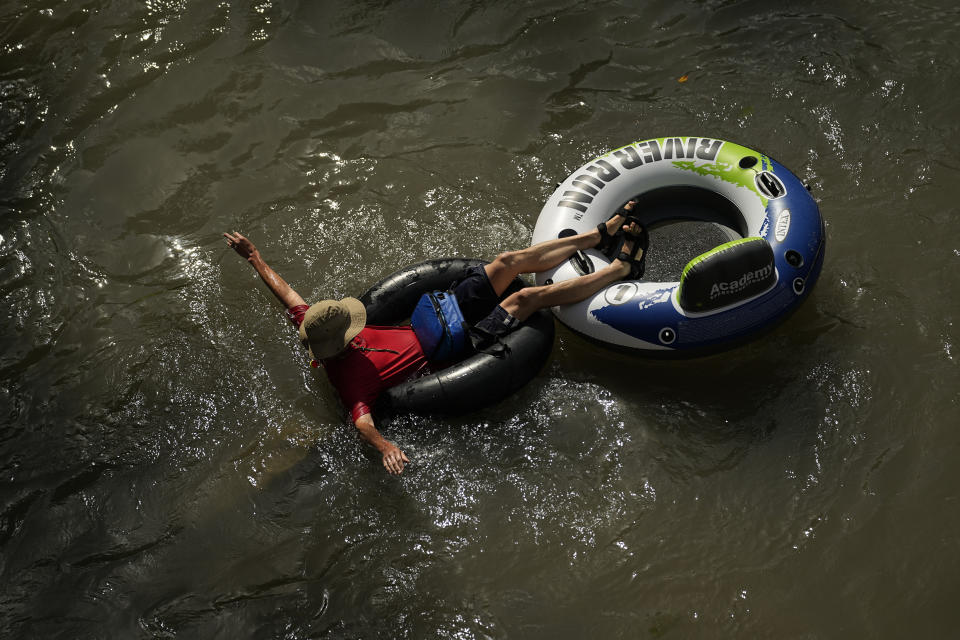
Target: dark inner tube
479	380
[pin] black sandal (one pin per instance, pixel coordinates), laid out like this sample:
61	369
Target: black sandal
610	243
641	241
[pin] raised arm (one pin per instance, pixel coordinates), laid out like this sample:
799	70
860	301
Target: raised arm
393	458
271	278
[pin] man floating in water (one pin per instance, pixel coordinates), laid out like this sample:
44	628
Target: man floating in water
361	361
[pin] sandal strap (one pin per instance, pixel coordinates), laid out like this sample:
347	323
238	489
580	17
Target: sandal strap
608	241
642	238
604	234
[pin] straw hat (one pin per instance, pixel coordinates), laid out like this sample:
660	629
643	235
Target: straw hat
330	325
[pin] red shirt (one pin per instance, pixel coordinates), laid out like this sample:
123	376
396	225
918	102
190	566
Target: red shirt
360	375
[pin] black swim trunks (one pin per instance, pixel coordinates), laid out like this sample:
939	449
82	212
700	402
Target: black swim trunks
480	306
496	324
475	295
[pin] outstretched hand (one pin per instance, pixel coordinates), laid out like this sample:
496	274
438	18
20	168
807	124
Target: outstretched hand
241	245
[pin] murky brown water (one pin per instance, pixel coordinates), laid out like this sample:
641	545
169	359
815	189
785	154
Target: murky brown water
170	466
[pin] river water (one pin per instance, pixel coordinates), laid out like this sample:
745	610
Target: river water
171	467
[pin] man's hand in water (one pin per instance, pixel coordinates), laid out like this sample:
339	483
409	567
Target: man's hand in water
394	459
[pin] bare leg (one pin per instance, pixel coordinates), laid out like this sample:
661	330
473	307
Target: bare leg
544	255
525	302
522	304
